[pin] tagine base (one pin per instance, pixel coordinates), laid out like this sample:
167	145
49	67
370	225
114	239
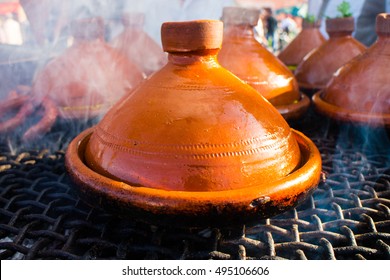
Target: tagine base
222	208
344	115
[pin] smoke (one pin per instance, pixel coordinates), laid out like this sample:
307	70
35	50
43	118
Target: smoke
48	38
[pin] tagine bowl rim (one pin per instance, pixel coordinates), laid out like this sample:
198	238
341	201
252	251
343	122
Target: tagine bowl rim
346	115
238	206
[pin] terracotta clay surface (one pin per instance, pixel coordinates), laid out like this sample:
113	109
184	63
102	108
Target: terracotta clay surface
307	40
359	91
194	139
317	68
138	46
250	61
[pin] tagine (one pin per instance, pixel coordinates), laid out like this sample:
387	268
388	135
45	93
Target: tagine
307	40
250	61
359	92
138	46
193	145
81	83
317	68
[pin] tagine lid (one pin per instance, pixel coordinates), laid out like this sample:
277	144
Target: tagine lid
245	57
307	40
197	145
359	91
87	28
316	69
89	76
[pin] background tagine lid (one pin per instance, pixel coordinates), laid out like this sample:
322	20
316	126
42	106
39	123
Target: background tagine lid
137	45
245	57
193	141
307	40
359	91
89	76
317	68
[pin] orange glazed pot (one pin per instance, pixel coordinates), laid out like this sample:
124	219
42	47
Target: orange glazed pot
360	92
89	76
317	68
138	46
194	144
250	61
307	40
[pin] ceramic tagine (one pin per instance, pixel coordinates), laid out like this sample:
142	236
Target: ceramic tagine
137	45
250	61
194	145
360	91
81	83
90	75
317	68
307	40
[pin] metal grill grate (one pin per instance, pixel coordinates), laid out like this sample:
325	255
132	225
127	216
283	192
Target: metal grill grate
348	216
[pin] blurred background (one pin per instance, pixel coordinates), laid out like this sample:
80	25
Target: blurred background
45	22
34	31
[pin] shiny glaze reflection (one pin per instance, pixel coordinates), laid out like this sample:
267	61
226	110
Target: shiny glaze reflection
307	40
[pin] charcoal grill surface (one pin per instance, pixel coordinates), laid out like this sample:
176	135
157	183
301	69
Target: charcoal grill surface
347	217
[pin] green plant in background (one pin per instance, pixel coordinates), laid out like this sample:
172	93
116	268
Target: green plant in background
345	9
310	18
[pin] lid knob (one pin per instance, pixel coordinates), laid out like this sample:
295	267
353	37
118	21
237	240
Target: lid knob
189	36
87	28
383	24
345	25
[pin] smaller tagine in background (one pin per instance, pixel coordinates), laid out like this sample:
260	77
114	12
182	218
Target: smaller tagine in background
317	68
307	40
81	83
360	91
138	46
245	57
194	145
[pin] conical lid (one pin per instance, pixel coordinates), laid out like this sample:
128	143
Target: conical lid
317	68
250	61
359	91
191	132
89	76
307	40
138	46
194	141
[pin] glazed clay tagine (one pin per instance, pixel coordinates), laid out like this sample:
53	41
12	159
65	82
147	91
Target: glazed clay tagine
250	61
317	68
359	92
81	83
307	40
138	46
194	145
